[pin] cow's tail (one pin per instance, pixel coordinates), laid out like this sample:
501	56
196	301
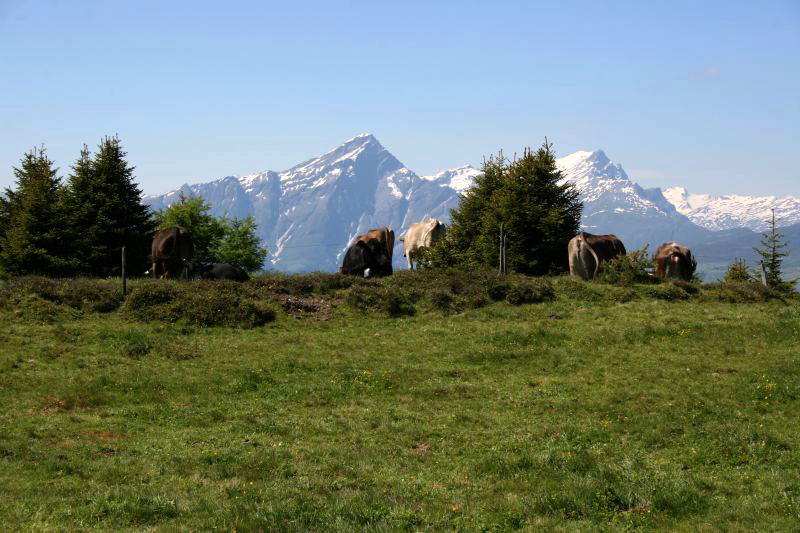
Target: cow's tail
594	254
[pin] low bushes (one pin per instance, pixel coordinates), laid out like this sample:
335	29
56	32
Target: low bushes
97	296
739	292
627	270
446	291
253	303
198	303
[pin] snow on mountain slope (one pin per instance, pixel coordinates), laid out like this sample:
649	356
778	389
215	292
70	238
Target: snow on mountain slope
612	203
734	211
308	215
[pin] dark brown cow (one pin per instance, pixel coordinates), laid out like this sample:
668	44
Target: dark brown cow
587	252
170	247
674	261
385	236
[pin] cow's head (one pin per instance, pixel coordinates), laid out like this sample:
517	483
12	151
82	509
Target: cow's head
681	264
376	258
193	269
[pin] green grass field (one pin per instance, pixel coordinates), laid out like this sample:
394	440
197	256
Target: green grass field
604	409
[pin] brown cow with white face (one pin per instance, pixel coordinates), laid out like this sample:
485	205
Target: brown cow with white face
587	252
384	235
170	248
673	261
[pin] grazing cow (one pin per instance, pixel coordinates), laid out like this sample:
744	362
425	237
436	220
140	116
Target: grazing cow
170	248
674	261
366	258
587	252
421	235
384	235
215	271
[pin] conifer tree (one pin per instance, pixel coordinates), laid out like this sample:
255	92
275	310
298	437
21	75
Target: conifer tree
34	240
81	212
772	254
108	210
539	213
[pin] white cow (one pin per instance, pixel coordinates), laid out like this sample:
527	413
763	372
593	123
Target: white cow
421	235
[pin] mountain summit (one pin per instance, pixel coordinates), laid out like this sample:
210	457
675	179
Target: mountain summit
733	210
308	215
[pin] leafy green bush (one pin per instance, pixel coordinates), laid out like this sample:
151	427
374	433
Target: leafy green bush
626	270
203	303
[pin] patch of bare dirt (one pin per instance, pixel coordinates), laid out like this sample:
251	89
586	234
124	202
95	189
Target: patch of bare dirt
306	306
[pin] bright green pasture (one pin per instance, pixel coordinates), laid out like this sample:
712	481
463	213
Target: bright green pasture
563	416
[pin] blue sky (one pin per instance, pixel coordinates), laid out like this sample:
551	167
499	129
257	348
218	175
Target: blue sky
700	94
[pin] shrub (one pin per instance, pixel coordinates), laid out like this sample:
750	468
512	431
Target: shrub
373	297
364	297
666	291
742	292
738	273
530	291
396	304
30	307
497	289
441	299
689	288
203	303
627	270
97	296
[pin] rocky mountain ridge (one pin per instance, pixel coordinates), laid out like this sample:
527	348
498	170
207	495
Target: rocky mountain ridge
307	215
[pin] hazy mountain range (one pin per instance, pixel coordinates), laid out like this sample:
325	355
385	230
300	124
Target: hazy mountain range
307	215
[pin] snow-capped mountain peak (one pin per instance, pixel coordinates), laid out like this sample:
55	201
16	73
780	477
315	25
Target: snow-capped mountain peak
459	179
307	215
734	210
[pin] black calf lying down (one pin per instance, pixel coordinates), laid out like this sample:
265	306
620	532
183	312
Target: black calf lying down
215	271
366	259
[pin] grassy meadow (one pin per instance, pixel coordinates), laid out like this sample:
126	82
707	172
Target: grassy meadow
417	402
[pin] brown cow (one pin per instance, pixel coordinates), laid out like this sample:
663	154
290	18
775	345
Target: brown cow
385	236
587	252
170	247
674	261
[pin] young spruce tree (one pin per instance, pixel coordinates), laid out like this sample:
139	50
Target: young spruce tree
539	213
34	238
108	211
81	212
772	254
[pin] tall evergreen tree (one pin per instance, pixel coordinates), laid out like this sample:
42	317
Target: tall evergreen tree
539	213
772	254
81	212
34	240
108	210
